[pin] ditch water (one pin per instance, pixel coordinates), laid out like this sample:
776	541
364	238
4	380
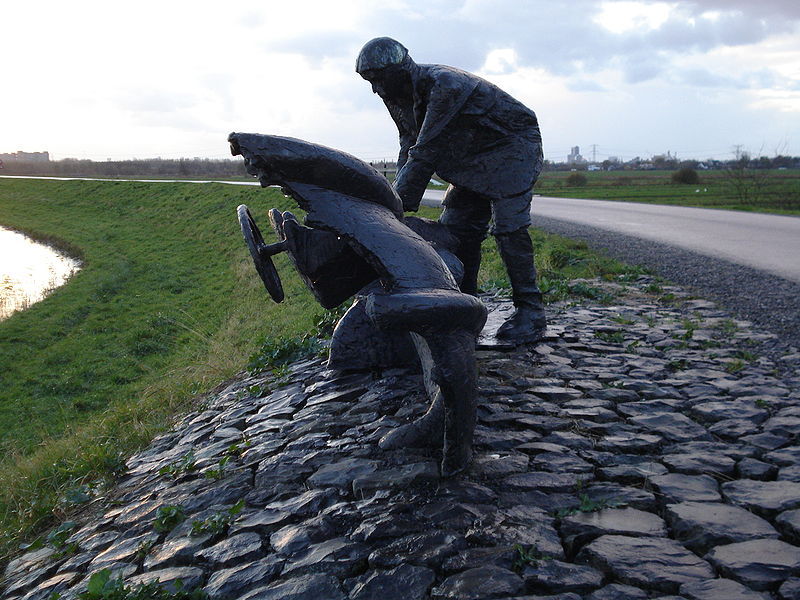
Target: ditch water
29	271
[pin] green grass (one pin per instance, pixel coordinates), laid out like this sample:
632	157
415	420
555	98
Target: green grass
780	192
166	307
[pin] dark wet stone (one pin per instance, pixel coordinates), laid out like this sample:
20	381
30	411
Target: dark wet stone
649	407
175	552
559	462
534	448
570	439
306	504
549	502
237	549
789	524
785	457
542	481
789	426
421	549
758	564
50	588
765	441
652	563
233	582
728	409
703	525
400	478
189	578
342	473
339	557
790	589
615	395
386	526
555	393
138	515
499	556
307	587
763	497
718	589
76	562
264	522
555	576
672	426
448	514
405	582
478	584
750	468
520	524
468	492
496	440
618	591
733	429
295	538
123	550
699	463
677	487
498	465
593	413
633	472
28	561
627	441
579	529
620	494
789	473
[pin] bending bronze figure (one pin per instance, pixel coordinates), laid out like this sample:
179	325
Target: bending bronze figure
482	141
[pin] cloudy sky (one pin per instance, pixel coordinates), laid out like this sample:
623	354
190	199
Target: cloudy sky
110	80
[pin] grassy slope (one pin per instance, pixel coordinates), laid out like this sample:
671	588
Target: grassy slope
779	194
166	306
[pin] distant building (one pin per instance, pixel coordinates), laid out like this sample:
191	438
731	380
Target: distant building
21	156
574	157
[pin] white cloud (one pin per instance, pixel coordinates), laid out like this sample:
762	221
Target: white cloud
100	79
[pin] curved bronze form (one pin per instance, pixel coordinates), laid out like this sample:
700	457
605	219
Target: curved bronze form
354	235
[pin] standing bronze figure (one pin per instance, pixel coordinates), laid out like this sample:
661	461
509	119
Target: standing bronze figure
483	142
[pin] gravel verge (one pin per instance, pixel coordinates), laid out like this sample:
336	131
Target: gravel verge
769	301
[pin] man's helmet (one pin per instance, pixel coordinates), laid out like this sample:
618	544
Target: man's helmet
380	53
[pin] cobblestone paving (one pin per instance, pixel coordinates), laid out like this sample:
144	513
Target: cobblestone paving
643	451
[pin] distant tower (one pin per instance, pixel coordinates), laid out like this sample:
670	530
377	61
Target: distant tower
574	157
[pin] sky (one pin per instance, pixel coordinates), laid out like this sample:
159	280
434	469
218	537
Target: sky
110	80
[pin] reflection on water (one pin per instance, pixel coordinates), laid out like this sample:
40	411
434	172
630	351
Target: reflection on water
29	271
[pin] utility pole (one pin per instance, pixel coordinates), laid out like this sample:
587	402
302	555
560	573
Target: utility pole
594	153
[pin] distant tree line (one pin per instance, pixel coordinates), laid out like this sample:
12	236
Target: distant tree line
668	163
149	167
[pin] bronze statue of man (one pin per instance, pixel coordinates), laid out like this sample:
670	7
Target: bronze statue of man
486	145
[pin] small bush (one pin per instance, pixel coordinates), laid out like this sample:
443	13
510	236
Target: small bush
577	179
686	175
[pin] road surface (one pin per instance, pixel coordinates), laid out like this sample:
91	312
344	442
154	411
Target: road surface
769	243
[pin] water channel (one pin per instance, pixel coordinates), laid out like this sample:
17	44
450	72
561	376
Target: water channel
29	271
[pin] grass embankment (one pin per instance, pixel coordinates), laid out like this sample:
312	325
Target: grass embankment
166	306
775	191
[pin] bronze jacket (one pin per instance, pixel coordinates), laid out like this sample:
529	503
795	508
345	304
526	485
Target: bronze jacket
468	131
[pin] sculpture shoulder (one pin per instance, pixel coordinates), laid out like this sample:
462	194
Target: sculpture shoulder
442	77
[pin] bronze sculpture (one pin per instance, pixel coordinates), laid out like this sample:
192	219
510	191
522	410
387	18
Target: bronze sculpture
356	240
482	141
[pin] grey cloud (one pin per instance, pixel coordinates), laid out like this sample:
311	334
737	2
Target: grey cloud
559	37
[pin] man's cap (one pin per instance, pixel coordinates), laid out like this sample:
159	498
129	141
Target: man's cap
380	53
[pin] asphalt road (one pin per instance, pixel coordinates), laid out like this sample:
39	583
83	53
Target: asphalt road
769	243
